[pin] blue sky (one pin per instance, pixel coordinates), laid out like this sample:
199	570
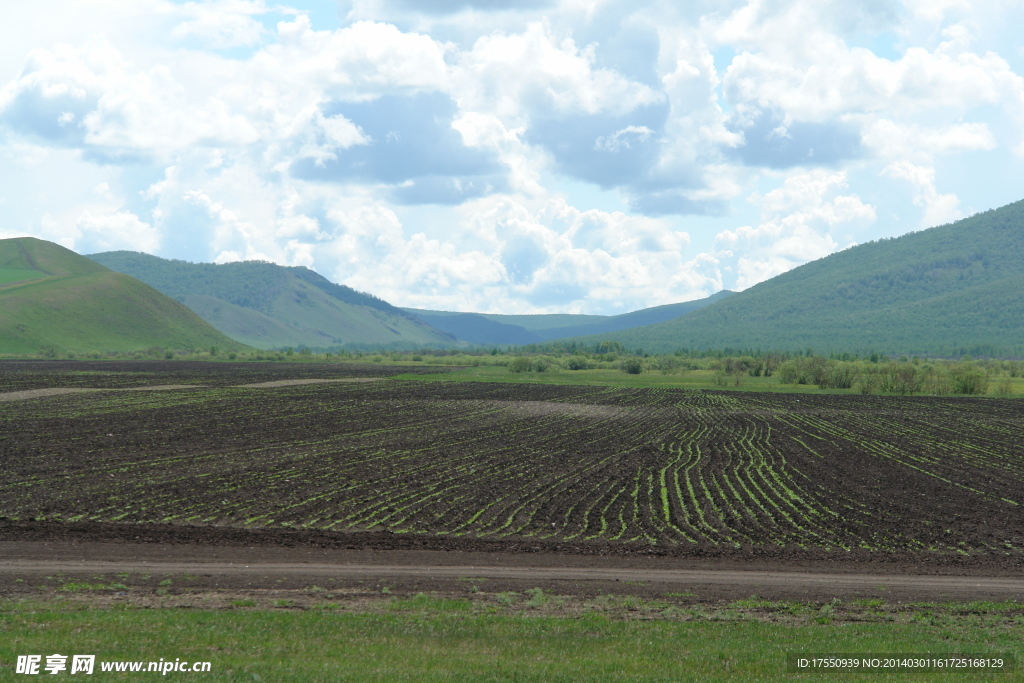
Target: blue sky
534	156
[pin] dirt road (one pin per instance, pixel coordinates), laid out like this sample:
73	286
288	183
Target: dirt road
257	568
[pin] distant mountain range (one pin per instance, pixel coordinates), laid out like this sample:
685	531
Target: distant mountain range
944	291
53	298
493	328
270	306
953	289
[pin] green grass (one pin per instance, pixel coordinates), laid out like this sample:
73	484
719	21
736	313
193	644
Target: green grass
78	305
692	379
18	274
437	643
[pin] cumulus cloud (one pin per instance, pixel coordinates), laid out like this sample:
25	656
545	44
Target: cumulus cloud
118	230
939	209
450	153
533	72
221	24
797	225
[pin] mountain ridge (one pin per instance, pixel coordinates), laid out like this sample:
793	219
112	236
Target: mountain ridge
270	306
500	328
936	291
53	298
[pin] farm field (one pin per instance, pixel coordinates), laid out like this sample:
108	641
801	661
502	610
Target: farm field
579	469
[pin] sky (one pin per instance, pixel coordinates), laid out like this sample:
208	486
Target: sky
530	156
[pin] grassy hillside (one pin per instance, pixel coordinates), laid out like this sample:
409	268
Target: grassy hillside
491	328
52	298
270	306
953	289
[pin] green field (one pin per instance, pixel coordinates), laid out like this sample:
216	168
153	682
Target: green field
692	379
19	274
286	634
427	639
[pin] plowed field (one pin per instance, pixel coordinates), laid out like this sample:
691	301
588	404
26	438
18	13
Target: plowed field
681	472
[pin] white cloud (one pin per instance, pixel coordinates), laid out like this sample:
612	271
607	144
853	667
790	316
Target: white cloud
451	154
797	225
514	76
892	140
220	24
939	209
119	230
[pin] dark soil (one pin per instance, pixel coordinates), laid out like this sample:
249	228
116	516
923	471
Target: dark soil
830	483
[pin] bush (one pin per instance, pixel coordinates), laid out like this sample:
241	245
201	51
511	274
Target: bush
667	364
632	366
838	376
577	363
520	364
806	370
901	378
968	379
868	382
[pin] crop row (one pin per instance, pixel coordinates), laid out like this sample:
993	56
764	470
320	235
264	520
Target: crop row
581	464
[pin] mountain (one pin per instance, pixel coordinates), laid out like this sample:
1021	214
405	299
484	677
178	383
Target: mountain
625	321
494	328
270	306
476	328
51	297
948	290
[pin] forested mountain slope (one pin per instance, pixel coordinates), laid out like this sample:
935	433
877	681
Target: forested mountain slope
496	328
266	305
948	290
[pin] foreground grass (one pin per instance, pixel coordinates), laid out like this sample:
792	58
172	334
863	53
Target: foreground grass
428	640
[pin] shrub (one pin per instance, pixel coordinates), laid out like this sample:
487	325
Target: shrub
901	378
632	366
577	363
667	364
806	370
968	379
868	382
520	364
838	376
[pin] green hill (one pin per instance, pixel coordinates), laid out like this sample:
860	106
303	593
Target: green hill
494	328
270	306
949	290
50	297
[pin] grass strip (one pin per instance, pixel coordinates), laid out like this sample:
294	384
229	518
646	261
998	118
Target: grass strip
442	641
